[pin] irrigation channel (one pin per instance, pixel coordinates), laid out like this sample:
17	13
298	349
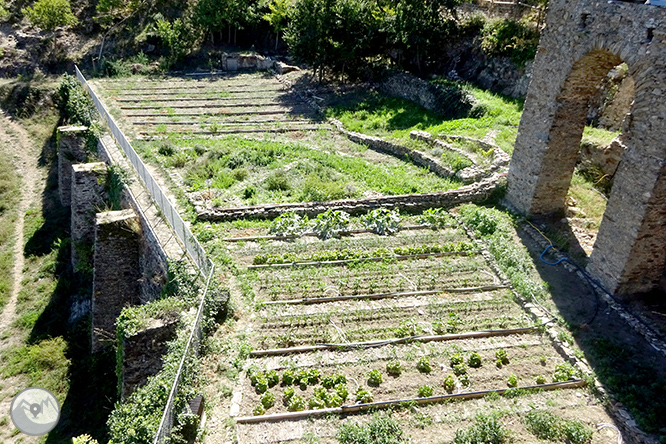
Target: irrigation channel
432	339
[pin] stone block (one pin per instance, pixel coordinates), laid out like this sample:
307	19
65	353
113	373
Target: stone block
88	192
71	150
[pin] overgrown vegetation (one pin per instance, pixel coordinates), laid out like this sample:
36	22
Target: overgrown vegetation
546	425
487	429
9	197
381	429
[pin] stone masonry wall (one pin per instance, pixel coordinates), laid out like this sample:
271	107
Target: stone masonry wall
87	197
116	274
71	149
152	258
582	41
142	354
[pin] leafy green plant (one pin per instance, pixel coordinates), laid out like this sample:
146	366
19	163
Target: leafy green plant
464	380
381	429
318	402
273	378
436	218
288	377
296	403
563	372
425	391
546	425
363	396
375	377
331	223
268	400
408	327
459	369
382	221
512	381
259	410
540	379
486	430
423	365
505	37
474	360
501	357
394	368
289	224
341	391
449	383
575	432
277	181
50	14
288	393
261	386
330	381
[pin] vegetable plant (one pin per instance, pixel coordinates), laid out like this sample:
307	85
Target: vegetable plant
289	224
268	400
425	391
501	357
382	221
273	378
296	403
331	223
394	368
512	381
449	383
423	365
363	396
474	360
563	372
375	378
258	410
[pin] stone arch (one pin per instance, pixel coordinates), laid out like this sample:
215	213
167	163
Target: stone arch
582	41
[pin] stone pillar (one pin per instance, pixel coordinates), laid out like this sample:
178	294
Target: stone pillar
143	353
71	150
116	273
88	192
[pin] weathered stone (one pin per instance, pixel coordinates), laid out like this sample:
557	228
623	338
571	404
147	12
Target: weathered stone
581	43
116	273
71	149
142	353
88	192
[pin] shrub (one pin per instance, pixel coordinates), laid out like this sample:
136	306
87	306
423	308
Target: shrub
543	425
423	365
239	174
375	378
277	181
382	221
505	37
268	400
166	148
50	14
474	360
486	430
449	383
425	391
363	396
249	192
575	432
394	368
75	103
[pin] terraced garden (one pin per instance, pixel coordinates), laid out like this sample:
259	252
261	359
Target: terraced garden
416	335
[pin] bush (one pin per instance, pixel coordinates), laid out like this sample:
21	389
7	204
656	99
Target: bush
277	181
50	14
486	430
239	174
249	192
575	432
382	221
545	425
74	102
505	37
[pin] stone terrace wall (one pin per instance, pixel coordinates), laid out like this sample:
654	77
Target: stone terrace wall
477	192
71	150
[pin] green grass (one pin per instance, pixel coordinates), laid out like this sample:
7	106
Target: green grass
598	136
9	197
372	113
587	199
289	172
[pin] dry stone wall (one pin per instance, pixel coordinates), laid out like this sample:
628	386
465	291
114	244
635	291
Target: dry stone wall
71	150
88	192
582	42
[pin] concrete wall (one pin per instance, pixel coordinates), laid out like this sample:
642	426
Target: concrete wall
116	274
582	42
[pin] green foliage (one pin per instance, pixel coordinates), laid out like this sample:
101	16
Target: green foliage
483	221
74	102
296	403
449	383
4	13
44	363
474	360
50	14
375	378
456	359
540	379
338	255
289	224
545	425
407	328
486	430
177	36
425	391
394	368
501	357
423	365
288	393
259	410
563	372
512	381
342	392
382	221
436	218
330	381
331	223
268	400
288	377
380	429
272	378
84	439
506	37
363	396
277	181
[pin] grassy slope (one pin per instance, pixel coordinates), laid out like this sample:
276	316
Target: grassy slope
9	197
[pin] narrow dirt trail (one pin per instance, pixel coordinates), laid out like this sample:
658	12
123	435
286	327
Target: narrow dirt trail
15	143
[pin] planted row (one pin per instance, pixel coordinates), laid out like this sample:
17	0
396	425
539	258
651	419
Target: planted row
347	254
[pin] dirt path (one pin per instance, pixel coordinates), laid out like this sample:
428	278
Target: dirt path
16	143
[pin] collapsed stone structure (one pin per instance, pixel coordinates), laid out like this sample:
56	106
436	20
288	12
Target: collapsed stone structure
583	40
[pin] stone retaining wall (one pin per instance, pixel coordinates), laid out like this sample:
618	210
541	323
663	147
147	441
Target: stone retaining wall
477	192
71	150
88	192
